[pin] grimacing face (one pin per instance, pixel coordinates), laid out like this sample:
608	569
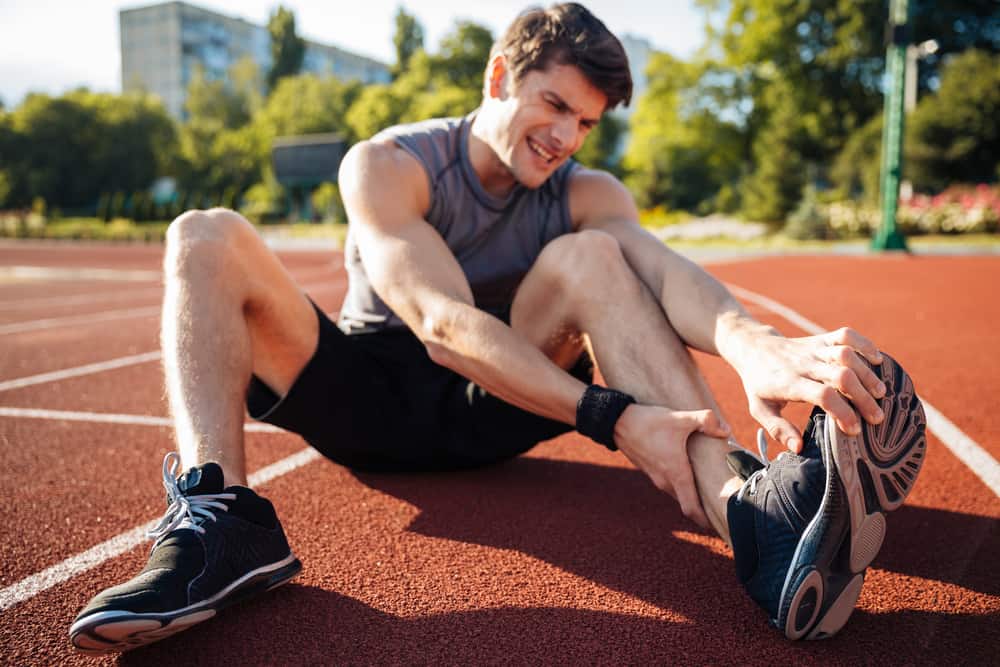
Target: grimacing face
544	119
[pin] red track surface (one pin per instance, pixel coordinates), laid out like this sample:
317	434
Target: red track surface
567	555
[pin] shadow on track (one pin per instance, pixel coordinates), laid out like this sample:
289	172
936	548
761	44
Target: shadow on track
610	526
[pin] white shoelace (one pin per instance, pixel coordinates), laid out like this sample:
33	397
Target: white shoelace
754	478
185	511
751	483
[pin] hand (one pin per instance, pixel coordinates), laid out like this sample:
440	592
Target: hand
655	439
825	370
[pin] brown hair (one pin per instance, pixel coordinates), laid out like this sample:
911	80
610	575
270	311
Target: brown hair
567	34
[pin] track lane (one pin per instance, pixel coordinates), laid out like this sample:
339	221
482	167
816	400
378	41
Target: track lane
907	585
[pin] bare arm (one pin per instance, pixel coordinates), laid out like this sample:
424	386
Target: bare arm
411	268
823	370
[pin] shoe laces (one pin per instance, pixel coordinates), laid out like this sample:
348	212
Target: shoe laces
185	511
751	484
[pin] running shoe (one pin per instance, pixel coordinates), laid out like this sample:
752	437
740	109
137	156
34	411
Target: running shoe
213	547
805	527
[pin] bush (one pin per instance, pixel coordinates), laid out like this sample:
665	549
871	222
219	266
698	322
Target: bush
327	204
809	221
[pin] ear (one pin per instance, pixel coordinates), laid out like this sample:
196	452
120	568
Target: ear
496	77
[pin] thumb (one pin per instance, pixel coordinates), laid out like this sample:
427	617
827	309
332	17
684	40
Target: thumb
707	422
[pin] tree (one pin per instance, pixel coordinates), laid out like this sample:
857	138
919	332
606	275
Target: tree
287	48
600	150
69	150
408	39
463	54
954	135
681	151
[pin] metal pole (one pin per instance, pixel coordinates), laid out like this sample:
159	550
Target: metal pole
888	236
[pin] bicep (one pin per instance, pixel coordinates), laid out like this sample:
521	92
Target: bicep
407	262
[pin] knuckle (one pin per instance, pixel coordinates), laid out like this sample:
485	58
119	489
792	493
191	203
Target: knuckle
842	378
845	355
827	396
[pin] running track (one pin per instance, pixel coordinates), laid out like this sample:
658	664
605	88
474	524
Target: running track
567	555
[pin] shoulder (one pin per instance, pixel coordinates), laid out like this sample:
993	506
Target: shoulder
596	196
379	168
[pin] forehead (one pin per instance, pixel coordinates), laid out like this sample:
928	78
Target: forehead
568	83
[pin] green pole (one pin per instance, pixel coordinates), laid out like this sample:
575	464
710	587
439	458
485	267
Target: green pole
888	236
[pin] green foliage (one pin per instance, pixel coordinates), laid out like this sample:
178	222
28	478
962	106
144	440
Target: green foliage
954	135
327	204
407	39
287	48
856	169
264	201
463	55
69	149
808	221
307	104
600	150
681	151
445	84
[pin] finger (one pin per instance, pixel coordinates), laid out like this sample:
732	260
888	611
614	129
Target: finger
779	428
835	405
846	356
845	380
851	338
706	421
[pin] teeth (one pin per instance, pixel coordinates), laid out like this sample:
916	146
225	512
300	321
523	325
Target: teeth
539	150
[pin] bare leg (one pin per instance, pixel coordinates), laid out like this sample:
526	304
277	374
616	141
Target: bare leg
230	308
582	283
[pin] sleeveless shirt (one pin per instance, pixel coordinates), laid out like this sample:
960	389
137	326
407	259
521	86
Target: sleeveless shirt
495	239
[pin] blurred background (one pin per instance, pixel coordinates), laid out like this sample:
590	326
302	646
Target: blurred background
752	118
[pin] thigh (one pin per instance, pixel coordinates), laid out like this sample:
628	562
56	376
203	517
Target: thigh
219	252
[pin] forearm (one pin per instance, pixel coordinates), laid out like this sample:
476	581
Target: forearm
706	315
480	347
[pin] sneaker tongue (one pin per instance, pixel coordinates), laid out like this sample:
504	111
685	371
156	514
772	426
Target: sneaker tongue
743	464
814	431
200	480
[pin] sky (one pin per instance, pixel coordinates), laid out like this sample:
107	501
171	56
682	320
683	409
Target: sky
52	46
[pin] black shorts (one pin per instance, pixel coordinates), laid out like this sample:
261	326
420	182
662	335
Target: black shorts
376	402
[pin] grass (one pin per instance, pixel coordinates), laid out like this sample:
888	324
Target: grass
122	230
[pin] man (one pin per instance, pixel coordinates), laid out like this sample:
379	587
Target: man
487	273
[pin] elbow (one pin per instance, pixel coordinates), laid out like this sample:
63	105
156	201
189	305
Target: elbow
437	334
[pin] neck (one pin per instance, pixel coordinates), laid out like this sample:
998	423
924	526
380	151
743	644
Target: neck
495	177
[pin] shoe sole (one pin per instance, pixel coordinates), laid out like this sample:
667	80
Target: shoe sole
872	474
118	631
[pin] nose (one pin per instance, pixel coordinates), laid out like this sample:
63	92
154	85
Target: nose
564	132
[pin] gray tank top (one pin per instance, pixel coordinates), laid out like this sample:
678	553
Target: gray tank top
495	239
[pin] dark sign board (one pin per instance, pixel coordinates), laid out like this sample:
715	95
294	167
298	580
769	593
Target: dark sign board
307	160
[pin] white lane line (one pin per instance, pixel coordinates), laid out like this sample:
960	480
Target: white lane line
56	322
77	371
107	315
76	273
34	584
88	369
78	299
968	451
111	418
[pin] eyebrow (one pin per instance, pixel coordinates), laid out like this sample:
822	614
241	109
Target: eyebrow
561	101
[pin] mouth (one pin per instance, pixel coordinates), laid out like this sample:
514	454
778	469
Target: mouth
540	151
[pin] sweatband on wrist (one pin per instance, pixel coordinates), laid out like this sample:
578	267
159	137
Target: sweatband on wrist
598	412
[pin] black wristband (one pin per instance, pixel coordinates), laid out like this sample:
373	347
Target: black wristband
598	411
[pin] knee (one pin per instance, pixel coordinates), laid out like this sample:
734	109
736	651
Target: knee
589	259
205	239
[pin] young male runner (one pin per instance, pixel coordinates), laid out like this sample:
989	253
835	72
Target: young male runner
484	268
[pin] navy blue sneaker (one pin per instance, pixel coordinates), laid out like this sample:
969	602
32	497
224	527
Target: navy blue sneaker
805	527
213	547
